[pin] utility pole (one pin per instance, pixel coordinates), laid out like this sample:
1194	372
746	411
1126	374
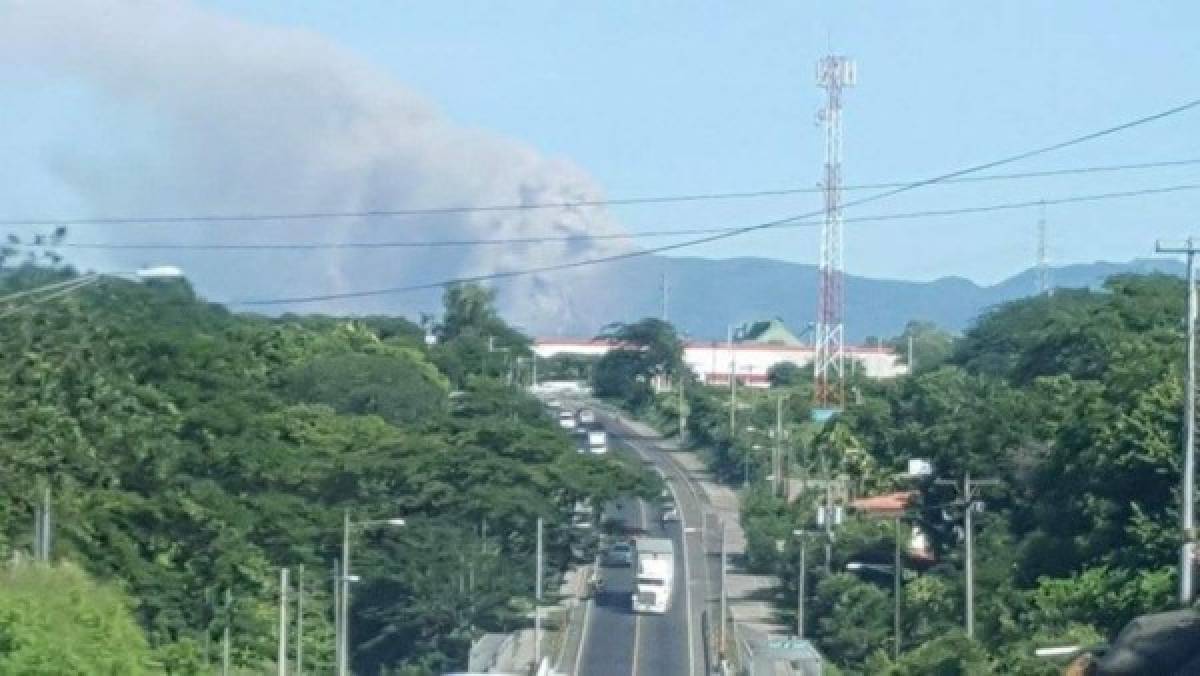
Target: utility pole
343	641
777	460
732	388
282	661
1043	267
833	74
802	579
337	614
912	364
300	621
897	592
724	596
226	642
966	494
1187	558
537	605
42	528
666	291
828	515
683	412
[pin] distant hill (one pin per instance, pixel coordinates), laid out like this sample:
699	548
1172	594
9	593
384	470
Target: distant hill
706	295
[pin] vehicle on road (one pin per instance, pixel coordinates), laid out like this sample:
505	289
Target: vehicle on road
597	441
587	416
670	513
566	420
655	561
620	554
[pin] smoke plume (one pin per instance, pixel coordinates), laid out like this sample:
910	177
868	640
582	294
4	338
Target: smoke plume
196	112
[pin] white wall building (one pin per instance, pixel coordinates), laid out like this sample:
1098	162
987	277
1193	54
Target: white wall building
713	361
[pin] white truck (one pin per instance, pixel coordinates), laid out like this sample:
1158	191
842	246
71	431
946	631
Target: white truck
654	561
597	441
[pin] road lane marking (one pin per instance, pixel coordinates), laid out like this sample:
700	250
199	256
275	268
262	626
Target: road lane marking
588	607
583	636
687	587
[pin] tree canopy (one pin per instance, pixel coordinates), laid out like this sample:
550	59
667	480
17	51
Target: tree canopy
192	452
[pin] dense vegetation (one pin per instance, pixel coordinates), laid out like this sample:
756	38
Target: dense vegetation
192	452
1071	400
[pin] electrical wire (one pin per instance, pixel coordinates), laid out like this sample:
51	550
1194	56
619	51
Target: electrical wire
309	246
628	201
1078	140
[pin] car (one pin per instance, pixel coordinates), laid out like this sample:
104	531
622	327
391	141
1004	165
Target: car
587	417
566	420
670	513
621	554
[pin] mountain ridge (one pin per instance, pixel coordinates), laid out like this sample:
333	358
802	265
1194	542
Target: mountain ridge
708	295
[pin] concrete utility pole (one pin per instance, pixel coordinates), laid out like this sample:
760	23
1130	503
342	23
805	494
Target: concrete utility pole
828	515
1187	553
42	528
966	494
802	579
732	388
897	591
912	364
537	606
724	595
777	460
666	291
282	661
337	613
1043	266
226	642
344	605
683	412
300	621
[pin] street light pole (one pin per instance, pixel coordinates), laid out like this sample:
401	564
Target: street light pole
282	661
1188	523
343	642
344	605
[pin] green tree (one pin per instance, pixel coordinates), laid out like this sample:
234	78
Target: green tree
931	346
57	620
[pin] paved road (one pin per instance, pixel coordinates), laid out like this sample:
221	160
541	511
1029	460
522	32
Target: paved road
617	642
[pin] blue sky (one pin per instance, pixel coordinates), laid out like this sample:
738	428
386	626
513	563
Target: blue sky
683	97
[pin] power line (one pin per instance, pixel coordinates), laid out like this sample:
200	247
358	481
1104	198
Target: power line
627	201
786	222
308	246
752	228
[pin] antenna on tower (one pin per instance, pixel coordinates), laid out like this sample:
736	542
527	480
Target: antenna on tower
833	74
1043	267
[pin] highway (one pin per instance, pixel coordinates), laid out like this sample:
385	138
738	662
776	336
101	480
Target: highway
617	642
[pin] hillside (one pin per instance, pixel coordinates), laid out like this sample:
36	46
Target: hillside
707	295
